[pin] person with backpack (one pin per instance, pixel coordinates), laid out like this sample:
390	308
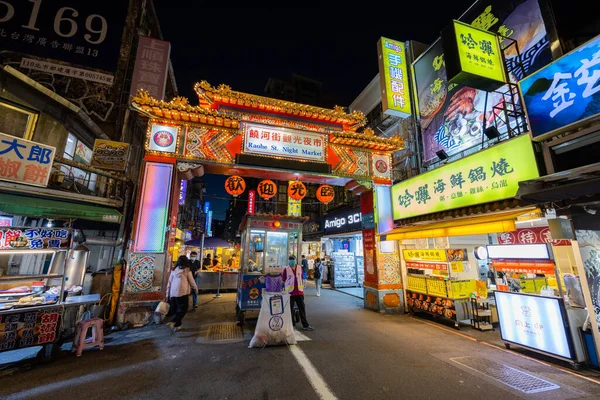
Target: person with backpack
181	283
318	274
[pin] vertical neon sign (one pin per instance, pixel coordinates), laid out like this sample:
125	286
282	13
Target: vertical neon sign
251	201
154	208
208	213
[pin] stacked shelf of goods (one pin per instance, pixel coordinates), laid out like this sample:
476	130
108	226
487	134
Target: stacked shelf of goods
344	269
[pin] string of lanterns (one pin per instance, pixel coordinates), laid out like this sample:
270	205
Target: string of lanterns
236	185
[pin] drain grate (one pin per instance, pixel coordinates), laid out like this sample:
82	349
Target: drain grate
506	375
224	332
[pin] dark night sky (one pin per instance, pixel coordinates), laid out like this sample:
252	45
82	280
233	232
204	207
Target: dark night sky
243	47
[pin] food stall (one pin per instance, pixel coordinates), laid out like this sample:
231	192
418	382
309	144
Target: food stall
267	242
438	283
41	281
208	279
532	314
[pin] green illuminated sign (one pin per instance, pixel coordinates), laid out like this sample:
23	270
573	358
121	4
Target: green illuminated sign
473	57
393	78
479	52
490	175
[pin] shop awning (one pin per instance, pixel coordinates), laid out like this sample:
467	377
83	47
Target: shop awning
493	223
575	186
44	208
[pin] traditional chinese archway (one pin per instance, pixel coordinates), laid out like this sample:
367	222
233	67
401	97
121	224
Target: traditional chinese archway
234	133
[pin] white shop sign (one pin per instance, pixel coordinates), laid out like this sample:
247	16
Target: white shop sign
284	142
344	221
533	321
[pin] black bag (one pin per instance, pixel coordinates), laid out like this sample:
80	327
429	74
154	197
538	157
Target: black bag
317	273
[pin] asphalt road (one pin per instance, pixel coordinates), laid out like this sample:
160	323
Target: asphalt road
352	354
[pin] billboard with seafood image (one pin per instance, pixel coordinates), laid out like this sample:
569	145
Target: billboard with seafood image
452	116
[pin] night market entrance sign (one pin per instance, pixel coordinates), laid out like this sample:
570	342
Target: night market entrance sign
233	130
490	175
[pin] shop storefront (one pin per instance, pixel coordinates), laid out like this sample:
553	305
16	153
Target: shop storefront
569	137
485	260
343	248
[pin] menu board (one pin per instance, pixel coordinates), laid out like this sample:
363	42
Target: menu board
436	287
360	268
29	328
416	283
344	269
462	289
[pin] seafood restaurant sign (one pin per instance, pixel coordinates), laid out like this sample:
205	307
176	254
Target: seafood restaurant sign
490	175
282	142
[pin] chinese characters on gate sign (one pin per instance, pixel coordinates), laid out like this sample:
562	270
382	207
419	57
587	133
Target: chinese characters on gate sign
151	63
25	162
287	143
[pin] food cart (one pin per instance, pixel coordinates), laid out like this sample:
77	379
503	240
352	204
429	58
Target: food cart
41	280
267	242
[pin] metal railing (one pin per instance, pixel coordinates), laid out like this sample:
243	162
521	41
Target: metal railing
74	177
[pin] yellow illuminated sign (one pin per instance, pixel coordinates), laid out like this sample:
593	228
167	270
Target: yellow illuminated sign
490	175
479	52
294	206
424	255
393	78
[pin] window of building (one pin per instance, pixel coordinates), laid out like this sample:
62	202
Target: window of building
77	151
16	120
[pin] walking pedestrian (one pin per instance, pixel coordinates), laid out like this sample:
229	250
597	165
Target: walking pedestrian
181	283
294	285
318	275
304	267
195	268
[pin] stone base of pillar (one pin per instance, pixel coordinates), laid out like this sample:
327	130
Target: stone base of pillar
388	301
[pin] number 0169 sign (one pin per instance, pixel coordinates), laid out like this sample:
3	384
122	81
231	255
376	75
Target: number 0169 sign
79	32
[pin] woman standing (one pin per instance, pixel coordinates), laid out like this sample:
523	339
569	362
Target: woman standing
181	283
318	274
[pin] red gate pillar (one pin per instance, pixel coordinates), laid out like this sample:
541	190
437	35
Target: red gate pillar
383	284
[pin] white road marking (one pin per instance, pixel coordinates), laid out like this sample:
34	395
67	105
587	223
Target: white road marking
313	376
300	337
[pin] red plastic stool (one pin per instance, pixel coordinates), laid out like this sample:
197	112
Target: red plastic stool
81	342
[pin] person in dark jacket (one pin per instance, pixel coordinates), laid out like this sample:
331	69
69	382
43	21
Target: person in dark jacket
195	268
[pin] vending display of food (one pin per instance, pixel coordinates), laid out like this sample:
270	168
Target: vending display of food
439	306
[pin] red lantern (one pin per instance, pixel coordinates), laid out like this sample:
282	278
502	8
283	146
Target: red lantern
296	190
267	189
235	185
325	194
